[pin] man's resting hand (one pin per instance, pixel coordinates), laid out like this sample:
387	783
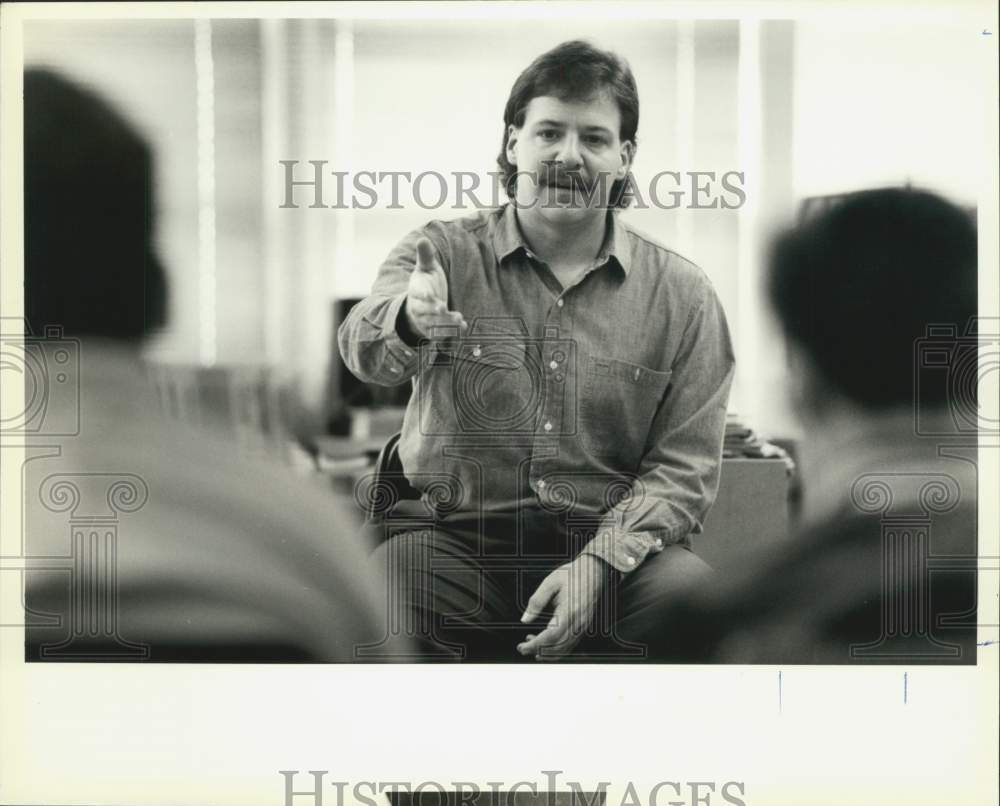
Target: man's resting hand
575	589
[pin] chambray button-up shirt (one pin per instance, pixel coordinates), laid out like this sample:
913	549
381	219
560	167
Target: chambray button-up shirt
605	399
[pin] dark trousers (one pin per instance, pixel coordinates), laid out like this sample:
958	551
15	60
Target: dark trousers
457	587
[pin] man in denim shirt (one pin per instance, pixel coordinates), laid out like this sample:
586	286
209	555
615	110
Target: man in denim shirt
570	381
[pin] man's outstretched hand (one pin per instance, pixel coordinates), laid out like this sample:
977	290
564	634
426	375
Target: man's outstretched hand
574	589
427	296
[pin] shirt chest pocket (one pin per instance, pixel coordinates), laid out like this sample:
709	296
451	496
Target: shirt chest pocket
488	385
617	407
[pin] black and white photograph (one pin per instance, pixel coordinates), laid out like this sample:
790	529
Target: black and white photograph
372	371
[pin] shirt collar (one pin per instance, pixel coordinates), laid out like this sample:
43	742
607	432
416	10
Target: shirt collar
507	239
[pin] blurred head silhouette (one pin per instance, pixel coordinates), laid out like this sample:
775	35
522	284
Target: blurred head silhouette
856	286
89	264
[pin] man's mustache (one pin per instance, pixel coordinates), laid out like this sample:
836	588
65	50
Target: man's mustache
554	176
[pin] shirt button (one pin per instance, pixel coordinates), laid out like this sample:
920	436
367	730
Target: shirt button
541	484
559	302
477	352
553	365
547	426
659	543
630	560
559	378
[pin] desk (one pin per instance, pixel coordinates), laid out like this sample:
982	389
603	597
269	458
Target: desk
345	449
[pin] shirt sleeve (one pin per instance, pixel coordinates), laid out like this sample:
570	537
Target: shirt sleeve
374	344
679	473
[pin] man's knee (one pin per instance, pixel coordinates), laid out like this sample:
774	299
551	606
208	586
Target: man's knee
675	570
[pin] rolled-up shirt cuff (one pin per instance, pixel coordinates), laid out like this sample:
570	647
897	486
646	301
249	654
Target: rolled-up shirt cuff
625	551
400	358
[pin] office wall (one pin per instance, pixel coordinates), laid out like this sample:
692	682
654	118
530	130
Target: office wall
881	102
875	101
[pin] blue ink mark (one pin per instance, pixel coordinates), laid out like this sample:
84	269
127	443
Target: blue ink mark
779	692
905	683
987	643
987	33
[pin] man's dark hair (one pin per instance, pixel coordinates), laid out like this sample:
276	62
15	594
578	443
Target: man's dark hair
89	264
573	71
857	285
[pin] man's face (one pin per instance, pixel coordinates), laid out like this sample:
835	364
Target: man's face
568	154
